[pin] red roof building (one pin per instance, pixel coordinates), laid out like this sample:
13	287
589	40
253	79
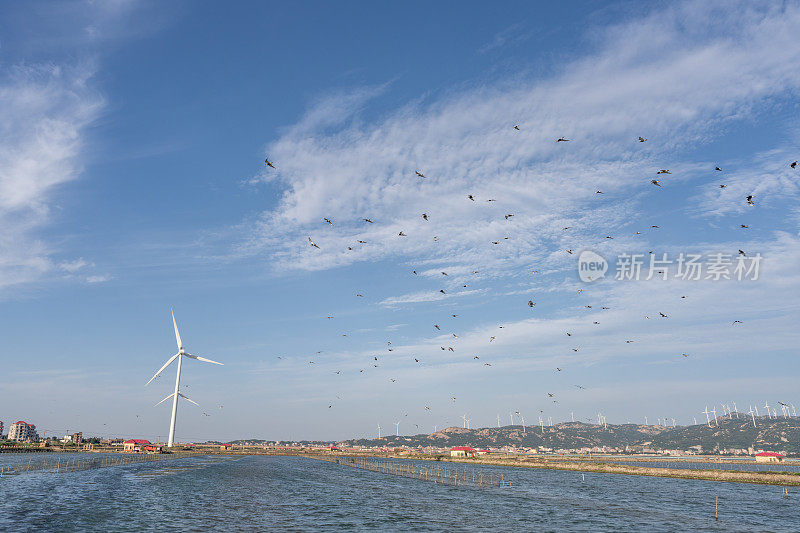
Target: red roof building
134	445
462	451
769	457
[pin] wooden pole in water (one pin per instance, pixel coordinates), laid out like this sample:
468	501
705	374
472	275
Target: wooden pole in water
716	509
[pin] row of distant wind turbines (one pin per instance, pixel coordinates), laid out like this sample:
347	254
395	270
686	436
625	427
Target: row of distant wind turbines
177	393
788	410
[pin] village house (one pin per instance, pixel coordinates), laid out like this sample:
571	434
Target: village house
134	445
462	451
769	457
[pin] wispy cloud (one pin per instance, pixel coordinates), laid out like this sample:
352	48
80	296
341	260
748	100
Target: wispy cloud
465	145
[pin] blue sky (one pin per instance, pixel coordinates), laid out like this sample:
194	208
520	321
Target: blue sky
132	180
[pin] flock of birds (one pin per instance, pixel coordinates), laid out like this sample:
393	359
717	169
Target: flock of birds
749	200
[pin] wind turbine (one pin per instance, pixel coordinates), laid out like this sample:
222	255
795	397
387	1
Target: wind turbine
758	415
735	410
397	428
464	417
714	411
498	420
753	417
572	414
708	420
766	406
645	420
379	431
179	356
794	413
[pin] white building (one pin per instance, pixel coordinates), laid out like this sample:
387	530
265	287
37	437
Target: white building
21	431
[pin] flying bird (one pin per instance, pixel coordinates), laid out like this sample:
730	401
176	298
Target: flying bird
750	200
328	221
662	315
516	127
471	197
794	165
530	303
313	243
401	234
656	183
418	173
745	226
741	252
642	139
663	171
268	163
562	140
437	327
367	220
509	215
718	169
424	216
492	338
722	186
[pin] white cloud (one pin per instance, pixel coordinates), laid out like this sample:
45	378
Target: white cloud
45	110
465	144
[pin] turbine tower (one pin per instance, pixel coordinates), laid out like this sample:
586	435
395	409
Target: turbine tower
498	420
397	428
379	431
179	356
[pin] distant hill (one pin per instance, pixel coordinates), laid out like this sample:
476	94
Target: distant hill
771	434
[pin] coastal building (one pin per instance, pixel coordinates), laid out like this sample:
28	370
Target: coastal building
482	452
769	457
134	445
462	451
21	431
77	438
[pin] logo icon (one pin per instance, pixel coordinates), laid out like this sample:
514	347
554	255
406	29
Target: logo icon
591	266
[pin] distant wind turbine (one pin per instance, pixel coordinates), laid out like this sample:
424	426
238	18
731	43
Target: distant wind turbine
752	416
397	428
379	431
179	356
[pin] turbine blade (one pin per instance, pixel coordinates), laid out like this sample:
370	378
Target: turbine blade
160	370
188	399
201	359
164	400
177	335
